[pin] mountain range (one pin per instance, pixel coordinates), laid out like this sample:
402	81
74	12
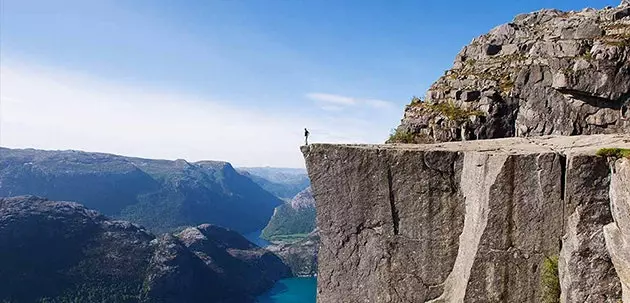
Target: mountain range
161	195
285	183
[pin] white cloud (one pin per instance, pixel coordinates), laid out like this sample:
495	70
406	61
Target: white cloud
51	108
329	98
337	102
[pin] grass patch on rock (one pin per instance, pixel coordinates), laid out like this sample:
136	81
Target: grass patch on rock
614	152
550	280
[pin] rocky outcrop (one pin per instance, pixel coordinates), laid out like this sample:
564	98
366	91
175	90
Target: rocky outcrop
618	233
472	221
64	252
545	73
161	195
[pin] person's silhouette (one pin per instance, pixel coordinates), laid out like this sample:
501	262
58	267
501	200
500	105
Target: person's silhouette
306	133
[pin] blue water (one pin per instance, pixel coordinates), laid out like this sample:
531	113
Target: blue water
294	290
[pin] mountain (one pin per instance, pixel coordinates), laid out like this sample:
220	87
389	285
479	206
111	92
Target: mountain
545	73
285	183
294	217
161	195
63	252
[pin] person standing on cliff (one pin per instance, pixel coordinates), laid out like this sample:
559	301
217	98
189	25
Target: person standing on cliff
306	133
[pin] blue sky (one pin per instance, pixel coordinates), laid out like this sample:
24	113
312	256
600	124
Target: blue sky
234	80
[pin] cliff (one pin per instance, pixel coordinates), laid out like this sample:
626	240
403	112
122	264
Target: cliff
475	221
545	73
161	195
63	252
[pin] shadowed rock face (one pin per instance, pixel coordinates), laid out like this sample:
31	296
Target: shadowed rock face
464	221
545	73
65	252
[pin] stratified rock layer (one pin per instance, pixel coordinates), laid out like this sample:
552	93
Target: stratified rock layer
464	221
545	73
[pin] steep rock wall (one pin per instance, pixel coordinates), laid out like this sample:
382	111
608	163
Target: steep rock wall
618	233
464	221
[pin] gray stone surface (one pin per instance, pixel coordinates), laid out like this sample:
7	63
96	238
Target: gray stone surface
618	233
463	221
585	265
545	73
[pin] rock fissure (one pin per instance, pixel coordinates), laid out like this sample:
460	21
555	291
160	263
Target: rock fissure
392	202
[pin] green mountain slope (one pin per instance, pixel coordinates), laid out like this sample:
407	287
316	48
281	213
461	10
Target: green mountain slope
295	217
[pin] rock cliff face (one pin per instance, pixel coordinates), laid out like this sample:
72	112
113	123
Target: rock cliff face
545	73
617	234
63	252
476	221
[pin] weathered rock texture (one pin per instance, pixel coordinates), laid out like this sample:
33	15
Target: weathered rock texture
467	221
545	73
64	252
618	233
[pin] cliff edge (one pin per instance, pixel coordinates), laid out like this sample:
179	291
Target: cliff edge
506	220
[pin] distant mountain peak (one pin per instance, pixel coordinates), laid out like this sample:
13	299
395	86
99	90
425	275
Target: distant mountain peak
160	194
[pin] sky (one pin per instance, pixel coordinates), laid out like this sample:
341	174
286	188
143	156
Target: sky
232	80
